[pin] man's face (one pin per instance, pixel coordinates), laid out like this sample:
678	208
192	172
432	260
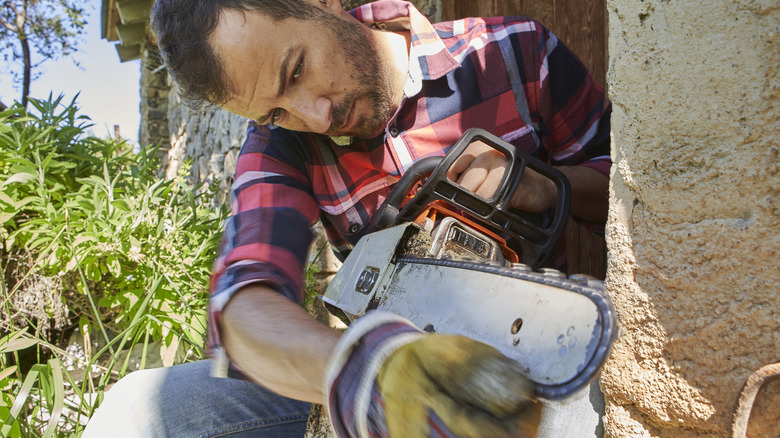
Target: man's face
319	76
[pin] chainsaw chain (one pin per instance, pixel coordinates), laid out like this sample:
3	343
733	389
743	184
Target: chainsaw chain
578	283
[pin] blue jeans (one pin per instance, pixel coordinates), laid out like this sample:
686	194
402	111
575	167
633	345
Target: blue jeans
184	401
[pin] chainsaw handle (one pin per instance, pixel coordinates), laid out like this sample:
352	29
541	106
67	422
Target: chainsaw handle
536	241
387	213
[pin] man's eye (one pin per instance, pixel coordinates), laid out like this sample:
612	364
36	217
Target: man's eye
298	69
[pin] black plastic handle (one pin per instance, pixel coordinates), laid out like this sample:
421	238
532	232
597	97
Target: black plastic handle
536	241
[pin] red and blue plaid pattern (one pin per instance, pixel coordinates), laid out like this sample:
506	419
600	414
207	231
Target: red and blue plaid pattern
508	75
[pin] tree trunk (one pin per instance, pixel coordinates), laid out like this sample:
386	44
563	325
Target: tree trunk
27	69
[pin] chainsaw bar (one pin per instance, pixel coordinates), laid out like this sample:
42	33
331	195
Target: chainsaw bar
558	329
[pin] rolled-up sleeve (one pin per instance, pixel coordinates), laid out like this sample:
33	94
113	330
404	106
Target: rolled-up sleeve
267	237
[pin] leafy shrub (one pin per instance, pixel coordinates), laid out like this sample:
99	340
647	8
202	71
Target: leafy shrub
95	240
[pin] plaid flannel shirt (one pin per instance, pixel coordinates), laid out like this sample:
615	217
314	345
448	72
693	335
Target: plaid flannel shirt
508	75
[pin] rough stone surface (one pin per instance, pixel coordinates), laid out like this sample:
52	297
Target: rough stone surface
210	138
154	102
319	425
694	227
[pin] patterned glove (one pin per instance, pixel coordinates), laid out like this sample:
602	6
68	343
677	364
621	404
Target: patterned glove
389	379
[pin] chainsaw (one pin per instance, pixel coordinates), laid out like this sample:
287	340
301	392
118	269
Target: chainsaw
454	262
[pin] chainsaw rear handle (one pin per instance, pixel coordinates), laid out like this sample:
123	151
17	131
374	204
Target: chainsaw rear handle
537	241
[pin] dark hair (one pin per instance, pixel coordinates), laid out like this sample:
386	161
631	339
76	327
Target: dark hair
182	29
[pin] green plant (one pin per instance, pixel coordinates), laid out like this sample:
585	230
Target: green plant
105	247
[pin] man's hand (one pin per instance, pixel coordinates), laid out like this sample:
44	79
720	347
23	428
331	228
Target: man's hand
458	386
480	169
389	379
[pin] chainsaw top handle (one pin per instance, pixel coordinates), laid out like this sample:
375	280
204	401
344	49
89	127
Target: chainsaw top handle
536	240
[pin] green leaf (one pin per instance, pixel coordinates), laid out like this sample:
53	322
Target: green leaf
14	431
121	204
5	199
16	341
112	262
86	205
25	201
5	217
59	397
18	344
21	399
84	237
7	372
21	177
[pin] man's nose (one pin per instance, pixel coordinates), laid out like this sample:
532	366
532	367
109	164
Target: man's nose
313	111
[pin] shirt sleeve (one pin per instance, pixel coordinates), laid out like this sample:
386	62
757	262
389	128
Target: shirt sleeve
573	107
267	237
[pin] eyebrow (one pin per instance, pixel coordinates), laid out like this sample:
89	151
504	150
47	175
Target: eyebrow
282	83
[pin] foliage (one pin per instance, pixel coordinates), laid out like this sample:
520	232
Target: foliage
51	27
125	252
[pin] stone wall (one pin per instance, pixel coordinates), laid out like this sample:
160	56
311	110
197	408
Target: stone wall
694	227
154	102
209	138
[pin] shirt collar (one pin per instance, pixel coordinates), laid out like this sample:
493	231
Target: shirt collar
428	57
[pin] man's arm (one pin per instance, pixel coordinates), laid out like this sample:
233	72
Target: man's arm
277	343
589	193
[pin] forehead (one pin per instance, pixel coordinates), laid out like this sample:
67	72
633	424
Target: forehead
250	47
240	35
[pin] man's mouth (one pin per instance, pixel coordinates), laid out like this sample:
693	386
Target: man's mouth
348	117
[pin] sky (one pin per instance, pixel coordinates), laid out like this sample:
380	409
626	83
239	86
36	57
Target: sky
109	89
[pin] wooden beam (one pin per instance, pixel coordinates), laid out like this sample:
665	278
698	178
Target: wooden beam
112	21
128	53
130	34
133	11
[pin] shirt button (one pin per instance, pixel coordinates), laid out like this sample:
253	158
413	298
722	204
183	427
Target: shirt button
353	228
393	131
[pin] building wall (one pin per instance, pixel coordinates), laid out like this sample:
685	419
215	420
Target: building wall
694	227
209	138
154	102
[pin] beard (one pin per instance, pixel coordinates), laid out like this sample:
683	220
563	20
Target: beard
372	78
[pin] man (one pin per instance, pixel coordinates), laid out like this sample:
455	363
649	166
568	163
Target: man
306	72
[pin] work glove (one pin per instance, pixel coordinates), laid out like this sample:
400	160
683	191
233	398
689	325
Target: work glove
387	378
